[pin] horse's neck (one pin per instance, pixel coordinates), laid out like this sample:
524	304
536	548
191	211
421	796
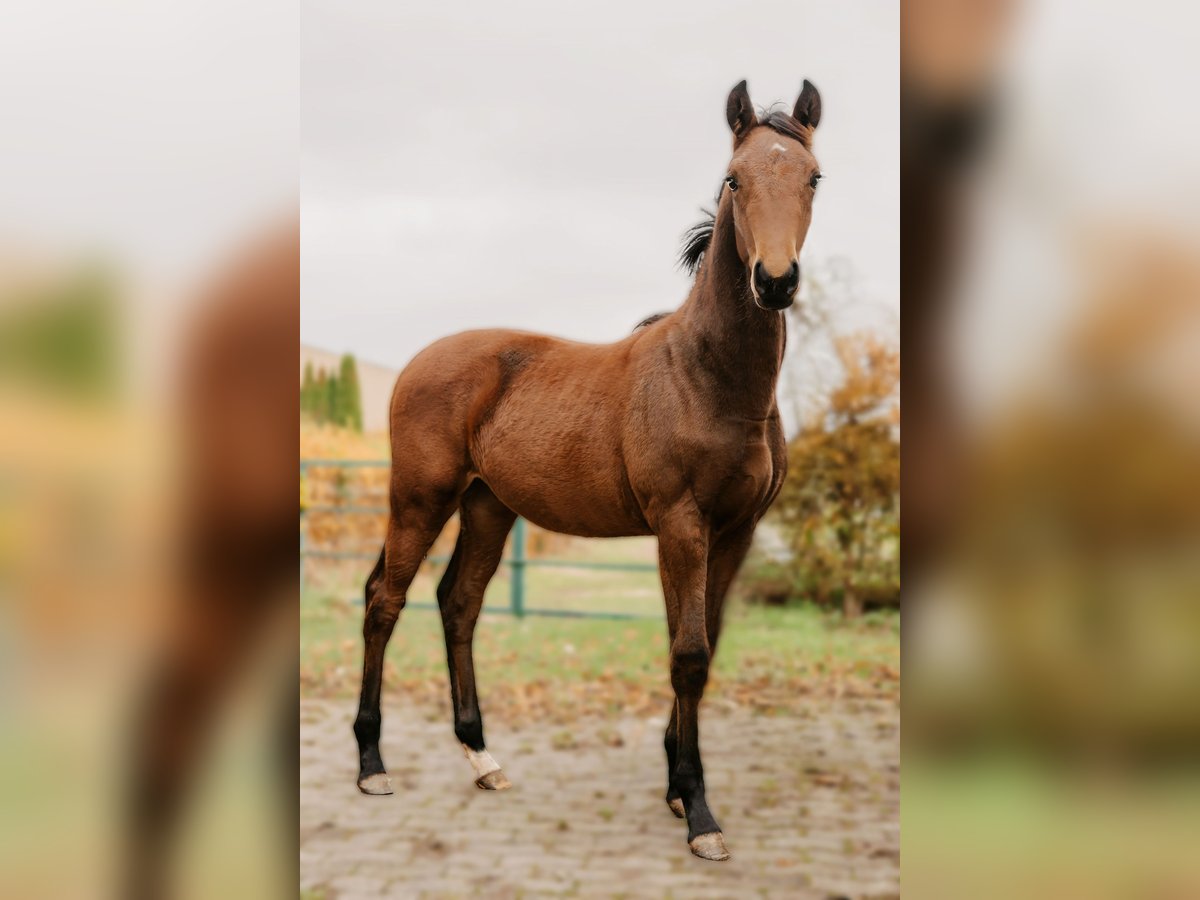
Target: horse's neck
727	336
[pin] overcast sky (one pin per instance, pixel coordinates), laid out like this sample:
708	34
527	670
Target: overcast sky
533	165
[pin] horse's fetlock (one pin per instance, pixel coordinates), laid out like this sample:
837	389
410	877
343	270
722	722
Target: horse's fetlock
469	731
367	726
688	780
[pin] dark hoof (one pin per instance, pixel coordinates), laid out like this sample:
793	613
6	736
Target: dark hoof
709	846
378	784
677	807
493	781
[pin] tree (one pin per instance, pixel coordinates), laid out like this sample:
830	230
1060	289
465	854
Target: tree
308	389
320	396
330	400
833	303
349	413
333	398
840	502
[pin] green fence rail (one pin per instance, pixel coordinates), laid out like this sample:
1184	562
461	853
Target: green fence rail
517	561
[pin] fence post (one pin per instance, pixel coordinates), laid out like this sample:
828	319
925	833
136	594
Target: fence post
517	567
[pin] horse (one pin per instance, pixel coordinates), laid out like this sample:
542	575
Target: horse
673	431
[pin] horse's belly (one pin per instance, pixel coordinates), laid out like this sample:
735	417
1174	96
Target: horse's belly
566	486
566	502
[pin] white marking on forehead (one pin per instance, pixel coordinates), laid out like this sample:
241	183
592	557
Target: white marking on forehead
778	148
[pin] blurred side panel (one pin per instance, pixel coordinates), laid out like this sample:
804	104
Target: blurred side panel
1051	488
149	297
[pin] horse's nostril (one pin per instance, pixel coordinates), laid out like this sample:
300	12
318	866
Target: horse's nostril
761	279
792	279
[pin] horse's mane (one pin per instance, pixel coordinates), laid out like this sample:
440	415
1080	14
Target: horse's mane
784	123
695	242
697	238
650	320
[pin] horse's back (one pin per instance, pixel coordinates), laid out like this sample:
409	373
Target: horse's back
538	418
467	372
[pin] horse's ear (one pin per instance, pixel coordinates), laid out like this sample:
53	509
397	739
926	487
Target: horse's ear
738	111
808	105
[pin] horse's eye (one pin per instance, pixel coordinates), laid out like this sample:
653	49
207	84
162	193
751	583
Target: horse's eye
812	182
731	182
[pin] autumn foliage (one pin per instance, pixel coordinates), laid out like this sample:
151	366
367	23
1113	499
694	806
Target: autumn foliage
839	508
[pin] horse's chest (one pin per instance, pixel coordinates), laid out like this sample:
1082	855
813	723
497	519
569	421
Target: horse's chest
736	476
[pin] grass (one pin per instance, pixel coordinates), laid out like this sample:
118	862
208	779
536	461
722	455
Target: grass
1012	821
580	589
771	645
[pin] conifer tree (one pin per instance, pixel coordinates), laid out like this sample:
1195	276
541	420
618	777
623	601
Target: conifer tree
349	395
331	401
308	389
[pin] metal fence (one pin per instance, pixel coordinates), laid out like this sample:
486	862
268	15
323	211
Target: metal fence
517	560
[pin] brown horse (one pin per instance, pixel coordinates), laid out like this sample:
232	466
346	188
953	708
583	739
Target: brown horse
673	431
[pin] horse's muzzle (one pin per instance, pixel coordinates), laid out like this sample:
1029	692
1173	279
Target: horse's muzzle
776	293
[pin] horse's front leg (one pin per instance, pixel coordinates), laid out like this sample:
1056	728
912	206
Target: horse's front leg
683	538
724	559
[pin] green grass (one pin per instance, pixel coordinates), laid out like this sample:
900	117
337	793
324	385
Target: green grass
1010	821
768	658
580	589
773	643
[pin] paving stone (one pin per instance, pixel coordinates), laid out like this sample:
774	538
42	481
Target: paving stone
590	821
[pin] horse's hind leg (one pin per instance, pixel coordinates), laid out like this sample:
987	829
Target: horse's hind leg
484	524
372	777
410	535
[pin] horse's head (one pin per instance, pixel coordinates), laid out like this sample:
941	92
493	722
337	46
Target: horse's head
770	184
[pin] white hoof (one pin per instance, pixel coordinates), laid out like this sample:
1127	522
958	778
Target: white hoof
677	807
493	781
378	784
710	846
490	778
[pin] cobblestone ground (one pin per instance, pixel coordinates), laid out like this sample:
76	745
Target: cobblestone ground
809	803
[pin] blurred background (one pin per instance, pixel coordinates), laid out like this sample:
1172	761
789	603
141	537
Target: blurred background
534	167
148	279
1050	482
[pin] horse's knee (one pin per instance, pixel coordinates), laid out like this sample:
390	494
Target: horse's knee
380	617
459	628
689	666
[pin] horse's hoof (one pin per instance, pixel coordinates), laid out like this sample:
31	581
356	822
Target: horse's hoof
677	807
493	781
378	784
709	846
